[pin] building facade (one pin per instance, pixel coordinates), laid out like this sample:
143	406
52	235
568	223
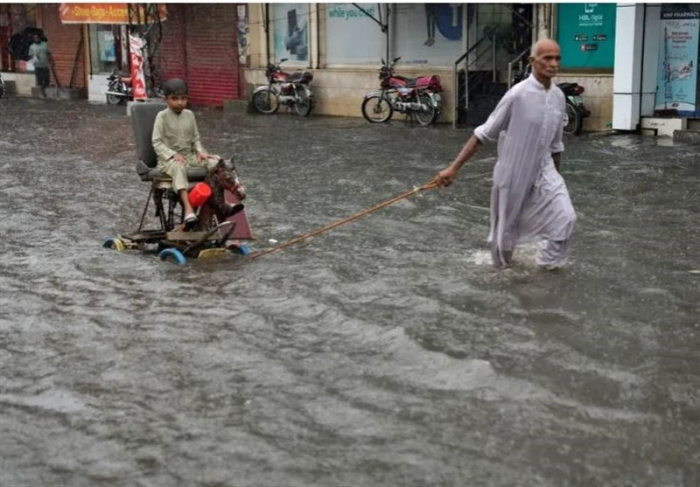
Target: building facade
636	62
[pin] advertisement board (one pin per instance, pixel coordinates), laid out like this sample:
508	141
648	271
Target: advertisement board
586	34
678	61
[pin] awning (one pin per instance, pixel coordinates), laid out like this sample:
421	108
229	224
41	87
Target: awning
105	13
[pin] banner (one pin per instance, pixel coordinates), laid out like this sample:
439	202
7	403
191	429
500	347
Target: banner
586	34
104	13
678	59
351	36
138	81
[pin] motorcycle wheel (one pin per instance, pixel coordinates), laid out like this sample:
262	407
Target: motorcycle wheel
574	120
304	102
426	117
377	109
266	102
114	99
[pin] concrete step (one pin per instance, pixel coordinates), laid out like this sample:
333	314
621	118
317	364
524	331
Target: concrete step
56	93
689	136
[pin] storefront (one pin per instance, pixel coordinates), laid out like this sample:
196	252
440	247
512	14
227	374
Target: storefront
105	28
18	22
656	67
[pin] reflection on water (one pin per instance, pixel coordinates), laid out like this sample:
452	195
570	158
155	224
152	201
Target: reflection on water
386	352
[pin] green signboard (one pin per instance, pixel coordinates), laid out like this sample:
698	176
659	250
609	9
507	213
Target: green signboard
586	34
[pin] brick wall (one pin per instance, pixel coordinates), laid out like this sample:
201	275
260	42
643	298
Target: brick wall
64	41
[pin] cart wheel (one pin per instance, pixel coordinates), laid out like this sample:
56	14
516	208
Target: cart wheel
239	249
173	255
114	243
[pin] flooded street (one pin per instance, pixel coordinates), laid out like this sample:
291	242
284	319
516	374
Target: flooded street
387	352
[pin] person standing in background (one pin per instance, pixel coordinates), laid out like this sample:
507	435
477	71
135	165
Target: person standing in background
40	52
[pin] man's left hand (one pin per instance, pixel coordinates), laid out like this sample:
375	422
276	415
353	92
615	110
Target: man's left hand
202	156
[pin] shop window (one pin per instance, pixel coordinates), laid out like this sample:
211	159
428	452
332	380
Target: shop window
104	48
352	37
429	33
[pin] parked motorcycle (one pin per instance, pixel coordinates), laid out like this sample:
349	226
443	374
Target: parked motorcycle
418	98
575	110
289	89
119	88
2	87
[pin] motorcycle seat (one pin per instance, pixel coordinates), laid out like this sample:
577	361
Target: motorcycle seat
143	116
122	74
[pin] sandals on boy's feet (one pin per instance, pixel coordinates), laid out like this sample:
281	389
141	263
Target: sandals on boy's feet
190	221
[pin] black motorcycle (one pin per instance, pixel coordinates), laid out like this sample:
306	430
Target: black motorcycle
289	89
575	111
118	88
2	87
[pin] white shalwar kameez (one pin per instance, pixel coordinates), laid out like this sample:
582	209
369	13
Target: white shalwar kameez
529	199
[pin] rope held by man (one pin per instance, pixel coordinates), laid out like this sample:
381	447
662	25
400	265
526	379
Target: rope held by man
330	226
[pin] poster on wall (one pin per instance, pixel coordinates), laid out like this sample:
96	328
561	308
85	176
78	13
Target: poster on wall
678	58
291	27
441	26
352	36
106	47
242	35
586	34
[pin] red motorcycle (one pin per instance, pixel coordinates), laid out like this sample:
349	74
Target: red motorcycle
418	98
289	89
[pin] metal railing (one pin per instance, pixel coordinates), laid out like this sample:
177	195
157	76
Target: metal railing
518	59
472	49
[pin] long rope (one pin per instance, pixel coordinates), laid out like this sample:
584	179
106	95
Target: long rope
379	206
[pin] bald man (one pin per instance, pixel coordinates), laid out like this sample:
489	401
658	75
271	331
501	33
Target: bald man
529	199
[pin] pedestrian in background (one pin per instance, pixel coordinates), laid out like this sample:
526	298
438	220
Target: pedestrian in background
40	53
529	199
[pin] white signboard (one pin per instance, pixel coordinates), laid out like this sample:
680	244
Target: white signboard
352	37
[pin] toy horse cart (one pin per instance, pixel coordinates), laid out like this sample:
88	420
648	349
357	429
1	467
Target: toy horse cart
221	220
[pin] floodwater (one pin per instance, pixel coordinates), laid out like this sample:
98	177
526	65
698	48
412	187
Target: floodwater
387	352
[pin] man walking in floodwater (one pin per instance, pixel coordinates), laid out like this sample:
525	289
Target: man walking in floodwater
529	199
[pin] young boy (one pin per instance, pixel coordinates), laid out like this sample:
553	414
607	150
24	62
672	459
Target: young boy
177	144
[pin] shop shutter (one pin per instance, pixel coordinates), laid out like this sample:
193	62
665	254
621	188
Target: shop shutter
212	53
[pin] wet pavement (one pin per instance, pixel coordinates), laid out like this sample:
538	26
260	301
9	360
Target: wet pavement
387	352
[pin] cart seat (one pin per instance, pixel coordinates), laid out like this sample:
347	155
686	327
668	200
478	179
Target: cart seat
143	116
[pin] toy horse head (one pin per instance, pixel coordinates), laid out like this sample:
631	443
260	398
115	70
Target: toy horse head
224	173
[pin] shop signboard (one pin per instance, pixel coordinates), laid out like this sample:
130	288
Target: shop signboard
352	34
291	28
678	61
428	33
586	34
103	13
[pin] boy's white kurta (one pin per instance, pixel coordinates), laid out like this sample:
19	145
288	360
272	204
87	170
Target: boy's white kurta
529	199
177	134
